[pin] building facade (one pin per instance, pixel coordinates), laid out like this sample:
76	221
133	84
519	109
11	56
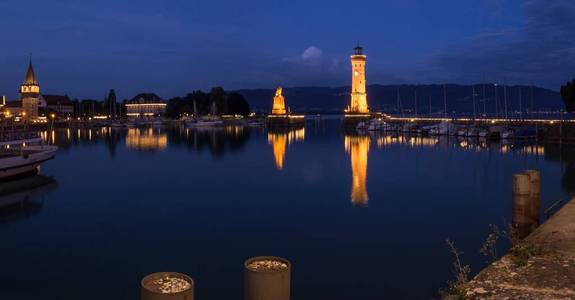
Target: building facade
145	105
61	105
29	95
358	104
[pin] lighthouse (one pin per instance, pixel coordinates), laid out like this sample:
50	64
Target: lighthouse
358	103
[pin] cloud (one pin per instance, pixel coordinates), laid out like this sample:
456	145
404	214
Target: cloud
312	53
542	50
311	67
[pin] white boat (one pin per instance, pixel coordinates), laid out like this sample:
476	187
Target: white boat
446	128
212	120
378	125
361	126
204	123
156	123
208	123
409	128
255	123
25	159
472	132
483	133
507	134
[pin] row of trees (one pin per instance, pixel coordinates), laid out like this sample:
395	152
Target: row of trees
568	95
225	103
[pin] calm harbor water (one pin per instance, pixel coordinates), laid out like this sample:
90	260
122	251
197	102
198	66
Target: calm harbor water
359	216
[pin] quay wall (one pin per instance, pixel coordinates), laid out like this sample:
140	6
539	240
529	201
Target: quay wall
548	274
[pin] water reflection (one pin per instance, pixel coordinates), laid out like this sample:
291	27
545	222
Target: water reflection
413	141
146	139
218	141
357	146
279	141
565	154
471	144
23	198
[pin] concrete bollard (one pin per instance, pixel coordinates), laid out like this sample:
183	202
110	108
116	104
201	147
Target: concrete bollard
267	278
522	216
167	286
535	180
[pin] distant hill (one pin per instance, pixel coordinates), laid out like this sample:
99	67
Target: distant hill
385	98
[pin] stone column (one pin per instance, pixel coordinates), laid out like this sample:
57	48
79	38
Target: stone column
167	286
522	217
267	278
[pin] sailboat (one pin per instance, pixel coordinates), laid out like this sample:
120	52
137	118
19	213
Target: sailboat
212	120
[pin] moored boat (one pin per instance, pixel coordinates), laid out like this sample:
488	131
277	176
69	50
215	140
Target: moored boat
17	158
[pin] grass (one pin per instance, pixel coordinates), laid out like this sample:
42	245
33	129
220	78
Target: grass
521	250
520	253
456	288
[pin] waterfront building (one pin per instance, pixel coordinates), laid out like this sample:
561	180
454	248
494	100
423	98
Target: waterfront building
59	104
358	103
145	105
29	94
12	108
357	146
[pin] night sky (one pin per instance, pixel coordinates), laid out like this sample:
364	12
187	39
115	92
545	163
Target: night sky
84	48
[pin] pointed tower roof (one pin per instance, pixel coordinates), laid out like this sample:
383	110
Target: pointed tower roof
30	76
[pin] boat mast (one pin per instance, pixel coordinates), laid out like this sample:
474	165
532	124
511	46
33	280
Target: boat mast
399	103
473	96
484	100
444	101
531	101
416	101
496	100
505	97
520	104
213	111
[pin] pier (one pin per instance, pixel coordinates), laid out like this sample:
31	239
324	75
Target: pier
479	121
549	274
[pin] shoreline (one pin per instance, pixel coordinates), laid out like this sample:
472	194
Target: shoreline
549	274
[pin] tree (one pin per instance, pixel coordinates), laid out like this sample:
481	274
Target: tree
226	103
237	104
111	104
568	95
218	96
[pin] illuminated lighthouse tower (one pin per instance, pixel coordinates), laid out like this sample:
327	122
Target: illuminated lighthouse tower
358	103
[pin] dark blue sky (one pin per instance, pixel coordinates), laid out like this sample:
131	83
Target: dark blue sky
84	48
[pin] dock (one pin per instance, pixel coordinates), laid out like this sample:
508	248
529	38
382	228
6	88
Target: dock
549	274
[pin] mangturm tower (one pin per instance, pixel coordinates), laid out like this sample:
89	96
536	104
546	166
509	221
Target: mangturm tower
29	94
358	103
